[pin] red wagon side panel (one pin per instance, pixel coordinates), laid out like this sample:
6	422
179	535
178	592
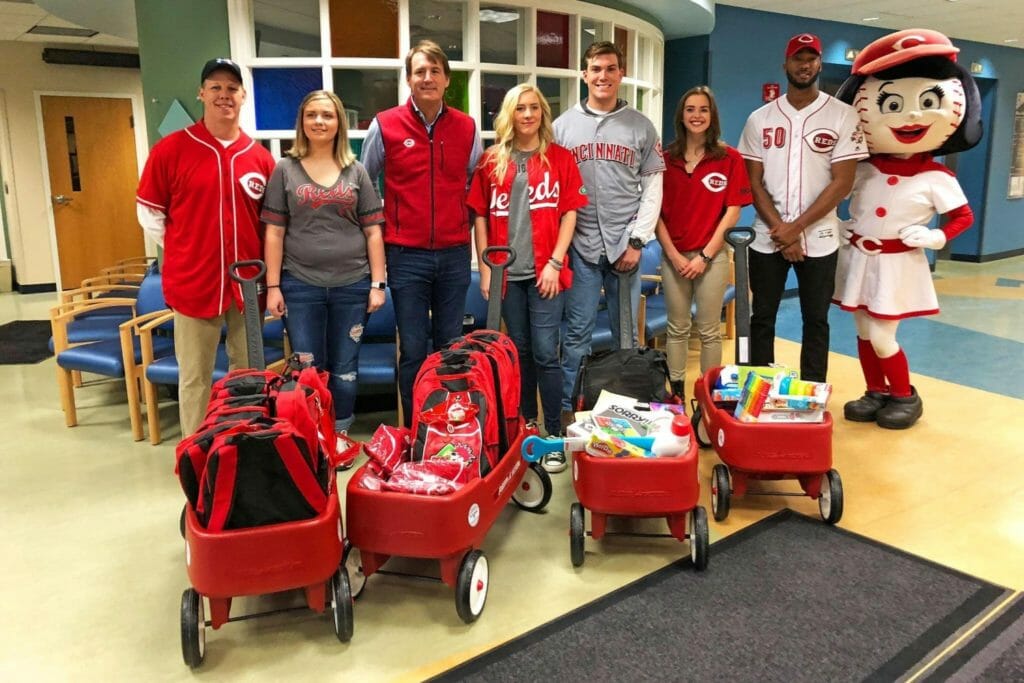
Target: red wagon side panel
431	527
764	447
630	487
264	559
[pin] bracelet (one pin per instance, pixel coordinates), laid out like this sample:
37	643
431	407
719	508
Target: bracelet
557	265
273	286
705	258
556	262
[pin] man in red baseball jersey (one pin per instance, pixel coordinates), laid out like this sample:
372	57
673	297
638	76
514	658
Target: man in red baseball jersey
200	198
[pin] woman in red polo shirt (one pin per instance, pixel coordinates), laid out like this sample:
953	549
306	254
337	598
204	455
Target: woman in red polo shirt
705	184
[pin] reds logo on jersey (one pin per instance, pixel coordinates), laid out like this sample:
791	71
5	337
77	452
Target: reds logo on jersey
821	139
254	184
715	182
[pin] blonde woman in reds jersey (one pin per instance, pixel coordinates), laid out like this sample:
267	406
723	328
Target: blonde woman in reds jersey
525	194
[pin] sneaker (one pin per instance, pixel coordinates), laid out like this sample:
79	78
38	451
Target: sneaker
345	454
553	462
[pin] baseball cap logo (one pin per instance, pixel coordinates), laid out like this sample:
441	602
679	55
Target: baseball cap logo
254	184
715	182
821	140
805	38
910	41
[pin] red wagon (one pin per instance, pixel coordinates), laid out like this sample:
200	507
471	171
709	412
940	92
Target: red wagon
303	555
761	450
765	450
449	528
629	487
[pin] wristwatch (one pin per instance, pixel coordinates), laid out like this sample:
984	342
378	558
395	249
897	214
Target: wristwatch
704	257
378	285
636	243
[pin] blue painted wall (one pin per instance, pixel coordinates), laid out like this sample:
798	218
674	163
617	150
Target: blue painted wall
745	50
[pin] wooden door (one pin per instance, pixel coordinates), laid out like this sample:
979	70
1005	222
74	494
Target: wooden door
90	150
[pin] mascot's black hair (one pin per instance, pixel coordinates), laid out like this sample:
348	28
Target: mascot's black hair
969	132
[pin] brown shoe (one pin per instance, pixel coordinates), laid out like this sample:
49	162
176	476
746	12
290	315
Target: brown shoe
568	417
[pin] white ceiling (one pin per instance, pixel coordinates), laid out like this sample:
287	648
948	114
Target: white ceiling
16	18
983	21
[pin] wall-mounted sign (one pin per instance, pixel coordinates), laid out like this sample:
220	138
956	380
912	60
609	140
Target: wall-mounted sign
1016	188
770	91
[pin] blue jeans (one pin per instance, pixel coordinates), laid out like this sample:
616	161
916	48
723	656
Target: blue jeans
328	322
428	289
534	325
581	304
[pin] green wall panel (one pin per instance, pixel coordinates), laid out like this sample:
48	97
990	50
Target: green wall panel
175	40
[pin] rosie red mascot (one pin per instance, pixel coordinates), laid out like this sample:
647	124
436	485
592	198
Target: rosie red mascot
915	102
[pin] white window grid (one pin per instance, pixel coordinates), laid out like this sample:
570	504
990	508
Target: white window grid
644	65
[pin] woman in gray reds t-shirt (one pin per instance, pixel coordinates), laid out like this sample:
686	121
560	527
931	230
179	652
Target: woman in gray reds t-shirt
324	249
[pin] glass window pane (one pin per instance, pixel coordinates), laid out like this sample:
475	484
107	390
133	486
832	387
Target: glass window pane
645	60
493	88
501	34
364	28
278	92
552	40
440	21
556	92
457	94
593	31
622	42
364	93
287	28
641	98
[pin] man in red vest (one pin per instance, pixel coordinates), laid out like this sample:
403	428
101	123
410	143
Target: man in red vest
427	152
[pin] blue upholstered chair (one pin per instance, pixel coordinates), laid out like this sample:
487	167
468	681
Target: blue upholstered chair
476	306
378	354
119	357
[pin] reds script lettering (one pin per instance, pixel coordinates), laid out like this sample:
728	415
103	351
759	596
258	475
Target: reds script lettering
822	139
316	197
542	195
604	151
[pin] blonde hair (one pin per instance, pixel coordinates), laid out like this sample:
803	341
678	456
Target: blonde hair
342	150
505	132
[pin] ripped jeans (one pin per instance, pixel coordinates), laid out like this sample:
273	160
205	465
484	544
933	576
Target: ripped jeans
328	322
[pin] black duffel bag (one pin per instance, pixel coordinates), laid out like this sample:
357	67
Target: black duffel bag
638	373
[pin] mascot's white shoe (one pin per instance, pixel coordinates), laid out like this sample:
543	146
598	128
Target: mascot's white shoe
900	412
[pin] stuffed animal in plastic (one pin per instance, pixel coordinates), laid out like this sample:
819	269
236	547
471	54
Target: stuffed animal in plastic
915	102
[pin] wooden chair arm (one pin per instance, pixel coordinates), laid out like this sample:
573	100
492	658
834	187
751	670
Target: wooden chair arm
88	292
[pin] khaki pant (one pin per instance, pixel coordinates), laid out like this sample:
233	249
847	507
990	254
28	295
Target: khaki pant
195	345
680	293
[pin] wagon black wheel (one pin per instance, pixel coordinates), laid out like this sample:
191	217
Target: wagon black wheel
471	587
700	432
181	521
697	526
193	628
830	502
341	605
353	561
720	492
577	534
534	491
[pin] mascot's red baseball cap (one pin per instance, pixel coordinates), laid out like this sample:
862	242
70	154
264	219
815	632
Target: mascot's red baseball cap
803	41
901	47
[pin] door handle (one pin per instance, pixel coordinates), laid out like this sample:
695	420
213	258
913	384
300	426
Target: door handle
61	199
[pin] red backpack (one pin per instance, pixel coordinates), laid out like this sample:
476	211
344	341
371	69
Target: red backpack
454	409
502	356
